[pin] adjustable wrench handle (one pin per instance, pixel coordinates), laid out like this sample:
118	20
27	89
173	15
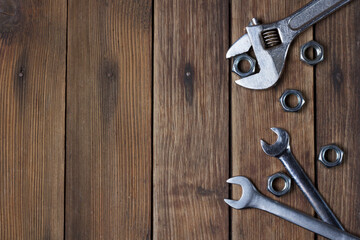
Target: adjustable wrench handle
313	12
300	219
309	190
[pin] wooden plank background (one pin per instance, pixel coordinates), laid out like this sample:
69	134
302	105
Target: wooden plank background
32	119
191	119
121	119
108	127
338	112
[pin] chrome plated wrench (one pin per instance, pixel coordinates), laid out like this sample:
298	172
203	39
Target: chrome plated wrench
251	198
281	149
271	42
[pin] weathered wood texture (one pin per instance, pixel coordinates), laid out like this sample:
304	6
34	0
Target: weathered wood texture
124	181
254	112
32	119
191	119
108	170
338	111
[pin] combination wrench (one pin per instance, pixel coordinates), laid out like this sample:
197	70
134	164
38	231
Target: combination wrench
271	42
281	150
251	198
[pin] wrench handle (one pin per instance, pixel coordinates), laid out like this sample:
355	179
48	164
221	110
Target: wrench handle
301	219
313	12
309	190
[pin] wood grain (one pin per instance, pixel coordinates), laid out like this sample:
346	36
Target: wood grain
191	119
338	111
254	112
199	128
32	119
108	170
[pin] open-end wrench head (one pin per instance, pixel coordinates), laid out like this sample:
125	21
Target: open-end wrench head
281	144
248	192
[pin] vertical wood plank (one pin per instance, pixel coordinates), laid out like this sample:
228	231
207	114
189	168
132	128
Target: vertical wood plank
191	119
32	119
338	112
254	112
108	170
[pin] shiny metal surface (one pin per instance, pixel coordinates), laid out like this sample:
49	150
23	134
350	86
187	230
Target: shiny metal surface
281	150
287	184
244	57
251	198
300	99
319	49
339	155
271	60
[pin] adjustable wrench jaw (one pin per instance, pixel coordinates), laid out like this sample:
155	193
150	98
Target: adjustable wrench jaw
271	59
280	146
249	193
271	42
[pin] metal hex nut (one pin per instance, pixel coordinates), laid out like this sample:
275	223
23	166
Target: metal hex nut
287	185
300	98
339	155
244	57
319	53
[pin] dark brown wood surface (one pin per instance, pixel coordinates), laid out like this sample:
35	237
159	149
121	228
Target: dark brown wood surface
32	119
255	112
121	120
108	167
338	112
191	119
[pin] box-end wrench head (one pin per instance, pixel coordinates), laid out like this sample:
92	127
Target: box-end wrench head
252	198
281	150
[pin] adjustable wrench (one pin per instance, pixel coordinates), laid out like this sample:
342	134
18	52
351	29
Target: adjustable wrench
251	198
271	42
281	149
